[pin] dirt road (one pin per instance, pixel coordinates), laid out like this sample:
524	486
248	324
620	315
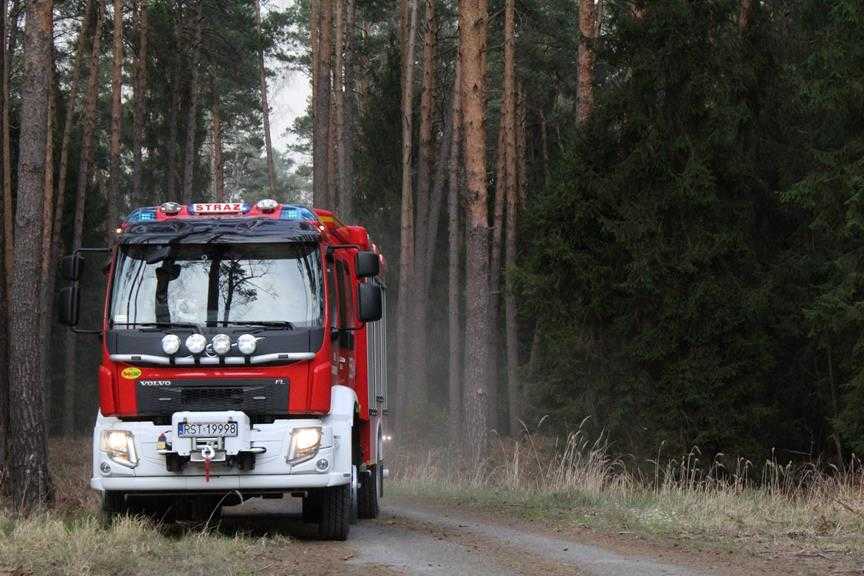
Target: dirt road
410	539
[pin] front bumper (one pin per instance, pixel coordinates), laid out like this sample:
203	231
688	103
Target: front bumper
271	471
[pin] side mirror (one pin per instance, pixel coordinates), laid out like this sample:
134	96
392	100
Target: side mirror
368	264
71	266
70	300
370	302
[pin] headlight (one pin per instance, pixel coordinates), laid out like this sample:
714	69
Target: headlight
170	344
304	444
119	446
246	344
196	343
221	344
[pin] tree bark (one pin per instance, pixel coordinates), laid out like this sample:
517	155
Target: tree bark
29	478
139	120
47	265
406	237
346	132
425	158
454	261
321	104
745	14
337	105
4	317
473	16
174	111
512	191
218	168
587	39
114	195
8	205
87	152
495	272
189	156
265	106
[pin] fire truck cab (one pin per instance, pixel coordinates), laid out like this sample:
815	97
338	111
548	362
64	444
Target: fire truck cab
243	355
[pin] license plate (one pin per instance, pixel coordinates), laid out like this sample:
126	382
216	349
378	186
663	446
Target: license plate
206	429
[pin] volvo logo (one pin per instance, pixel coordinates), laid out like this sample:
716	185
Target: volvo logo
155	383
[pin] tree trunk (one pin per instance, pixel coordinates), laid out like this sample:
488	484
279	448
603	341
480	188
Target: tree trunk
439	183
45	294
337	106
265	106
321	103
406	237
8	206
346	132
87	152
425	157
174	111
4	277
140	113
454	260
494	372
513	403
59	211
189	157
473	15
218	168
115	200
419	354
29	478
745	14
587	38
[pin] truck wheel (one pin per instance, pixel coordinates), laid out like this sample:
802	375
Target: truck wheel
368	505
334	518
113	504
311	508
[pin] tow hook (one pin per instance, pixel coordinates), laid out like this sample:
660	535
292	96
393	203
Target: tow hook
207	453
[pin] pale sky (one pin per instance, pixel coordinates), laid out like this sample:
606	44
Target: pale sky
288	91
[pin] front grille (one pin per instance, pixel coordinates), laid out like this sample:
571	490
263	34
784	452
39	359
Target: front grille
211	398
255	397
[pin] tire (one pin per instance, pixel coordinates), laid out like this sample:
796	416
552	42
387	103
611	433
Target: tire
311	508
367	503
113	504
334	516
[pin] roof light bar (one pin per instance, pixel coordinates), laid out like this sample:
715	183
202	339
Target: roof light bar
267	205
170	208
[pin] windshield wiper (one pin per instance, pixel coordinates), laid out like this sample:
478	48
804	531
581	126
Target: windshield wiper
158	324
265	323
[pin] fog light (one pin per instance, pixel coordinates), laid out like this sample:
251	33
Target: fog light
246	344
170	344
221	344
196	343
105	469
322	464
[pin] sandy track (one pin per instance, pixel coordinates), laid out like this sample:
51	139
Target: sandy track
411	540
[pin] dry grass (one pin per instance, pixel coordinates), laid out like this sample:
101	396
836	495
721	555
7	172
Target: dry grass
577	481
73	539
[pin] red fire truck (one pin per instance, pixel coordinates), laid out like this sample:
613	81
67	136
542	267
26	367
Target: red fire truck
243	355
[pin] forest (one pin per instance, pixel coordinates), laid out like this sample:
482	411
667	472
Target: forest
639	219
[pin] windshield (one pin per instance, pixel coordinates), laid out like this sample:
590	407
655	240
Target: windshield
218	285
